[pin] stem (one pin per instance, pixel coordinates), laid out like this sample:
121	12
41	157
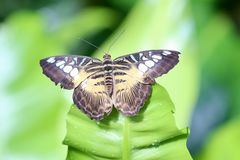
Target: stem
125	145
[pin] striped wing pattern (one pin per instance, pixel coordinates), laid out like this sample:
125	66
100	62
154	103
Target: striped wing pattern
124	82
129	94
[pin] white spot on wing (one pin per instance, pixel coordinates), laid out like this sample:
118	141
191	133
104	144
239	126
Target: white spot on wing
60	63
120	59
75	59
157	56
74	72
61	67
150	53
142	67
155	60
83	60
67	69
51	60
144	58
72	63
166	53
140	54
133	58
149	63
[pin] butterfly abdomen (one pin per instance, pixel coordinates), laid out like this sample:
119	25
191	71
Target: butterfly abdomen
108	77
108	81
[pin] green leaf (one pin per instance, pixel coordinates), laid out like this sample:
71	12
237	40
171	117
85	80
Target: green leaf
152	134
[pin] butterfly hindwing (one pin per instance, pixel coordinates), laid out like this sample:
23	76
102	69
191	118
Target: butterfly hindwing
92	98
69	71
129	94
150	64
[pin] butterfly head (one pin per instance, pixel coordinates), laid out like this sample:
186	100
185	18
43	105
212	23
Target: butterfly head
107	56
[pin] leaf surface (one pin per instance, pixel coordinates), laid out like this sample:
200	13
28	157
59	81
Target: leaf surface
152	134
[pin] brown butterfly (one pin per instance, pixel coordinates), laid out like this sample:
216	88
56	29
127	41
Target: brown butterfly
124	82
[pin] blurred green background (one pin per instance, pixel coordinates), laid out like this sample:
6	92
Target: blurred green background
205	86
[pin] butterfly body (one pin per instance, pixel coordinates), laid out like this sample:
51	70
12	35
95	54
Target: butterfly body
108	74
124	82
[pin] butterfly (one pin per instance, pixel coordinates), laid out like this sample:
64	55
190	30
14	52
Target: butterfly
124	82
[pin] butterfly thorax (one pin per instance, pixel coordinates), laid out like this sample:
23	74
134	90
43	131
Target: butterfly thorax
108	76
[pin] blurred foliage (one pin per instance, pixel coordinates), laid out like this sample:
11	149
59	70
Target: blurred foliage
204	86
219	94
225	137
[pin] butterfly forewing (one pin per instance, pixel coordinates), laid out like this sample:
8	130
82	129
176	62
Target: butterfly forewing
150	64
69	71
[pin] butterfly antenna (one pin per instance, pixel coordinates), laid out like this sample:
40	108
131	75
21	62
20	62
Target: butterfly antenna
115	40
84	40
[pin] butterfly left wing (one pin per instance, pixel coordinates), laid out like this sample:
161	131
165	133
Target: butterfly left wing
134	75
70	70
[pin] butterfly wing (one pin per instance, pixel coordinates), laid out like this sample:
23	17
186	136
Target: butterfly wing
129	94
150	64
69	71
134	75
92	98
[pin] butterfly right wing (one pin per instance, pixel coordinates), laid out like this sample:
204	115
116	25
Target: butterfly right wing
148	65
69	71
